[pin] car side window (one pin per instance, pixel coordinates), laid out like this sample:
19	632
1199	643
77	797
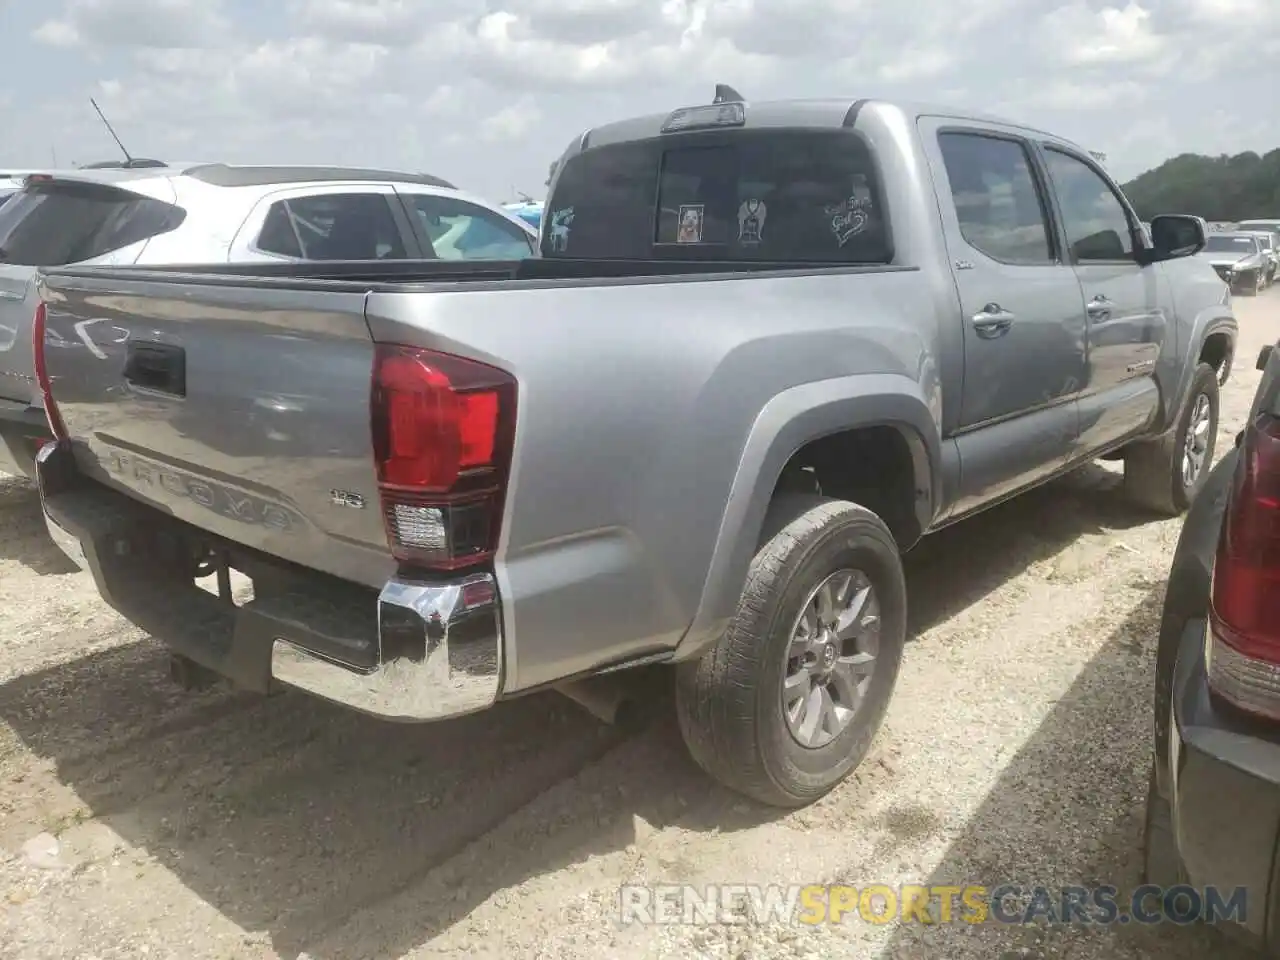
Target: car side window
332	226
463	231
1097	226
997	201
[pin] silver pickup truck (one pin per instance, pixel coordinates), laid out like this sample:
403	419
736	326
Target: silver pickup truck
766	348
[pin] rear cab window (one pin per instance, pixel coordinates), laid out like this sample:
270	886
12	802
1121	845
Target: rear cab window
57	222
780	195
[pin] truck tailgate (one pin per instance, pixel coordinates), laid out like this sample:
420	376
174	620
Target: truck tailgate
243	409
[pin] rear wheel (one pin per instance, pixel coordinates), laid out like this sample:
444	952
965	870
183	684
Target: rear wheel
1165	474
787	702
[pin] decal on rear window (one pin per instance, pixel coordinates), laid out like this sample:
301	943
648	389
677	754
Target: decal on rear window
690	230
558	229
774	194
751	221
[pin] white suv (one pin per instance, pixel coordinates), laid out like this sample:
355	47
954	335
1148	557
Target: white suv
214	213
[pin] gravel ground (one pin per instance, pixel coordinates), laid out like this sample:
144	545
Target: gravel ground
140	821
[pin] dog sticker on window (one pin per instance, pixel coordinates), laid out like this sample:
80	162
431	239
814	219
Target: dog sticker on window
689	227
751	222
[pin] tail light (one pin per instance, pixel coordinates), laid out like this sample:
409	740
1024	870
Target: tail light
443	429
42	373
1243	653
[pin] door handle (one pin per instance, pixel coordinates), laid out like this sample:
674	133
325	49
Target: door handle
1100	306
992	321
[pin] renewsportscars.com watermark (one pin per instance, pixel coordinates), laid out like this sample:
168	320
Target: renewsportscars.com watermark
935	904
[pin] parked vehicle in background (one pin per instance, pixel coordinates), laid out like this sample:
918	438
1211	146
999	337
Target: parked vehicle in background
1267	241
1213	807
530	211
1238	258
1270	226
767	361
213	213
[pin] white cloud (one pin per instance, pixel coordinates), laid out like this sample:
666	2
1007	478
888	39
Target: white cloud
1080	35
487	92
1063	94
136	23
58	33
511	123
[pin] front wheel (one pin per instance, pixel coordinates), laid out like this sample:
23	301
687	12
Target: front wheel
786	704
1165	474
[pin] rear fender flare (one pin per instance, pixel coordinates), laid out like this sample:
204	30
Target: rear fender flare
788	422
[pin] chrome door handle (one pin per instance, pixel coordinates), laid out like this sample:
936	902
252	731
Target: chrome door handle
992	321
1100	306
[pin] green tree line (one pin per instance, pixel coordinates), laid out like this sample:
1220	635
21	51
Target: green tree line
1243	187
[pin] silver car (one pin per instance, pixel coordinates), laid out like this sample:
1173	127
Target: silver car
1270	244
1239	259
215	213
1265	225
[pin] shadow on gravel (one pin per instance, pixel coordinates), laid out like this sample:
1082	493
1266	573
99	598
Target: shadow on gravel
964	563
25	539
331	832
1068	810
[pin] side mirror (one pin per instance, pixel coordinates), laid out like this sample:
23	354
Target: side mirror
1175	235
1264	357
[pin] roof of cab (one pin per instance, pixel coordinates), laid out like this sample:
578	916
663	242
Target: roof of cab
824	113
227	175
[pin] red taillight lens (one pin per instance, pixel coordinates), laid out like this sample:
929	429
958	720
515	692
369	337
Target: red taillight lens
42	373
443	430
1243	653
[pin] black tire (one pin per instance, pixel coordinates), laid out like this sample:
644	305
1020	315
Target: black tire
1153	468
729	702
1161	864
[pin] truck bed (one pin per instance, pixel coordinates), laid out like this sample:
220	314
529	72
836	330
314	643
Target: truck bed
630	386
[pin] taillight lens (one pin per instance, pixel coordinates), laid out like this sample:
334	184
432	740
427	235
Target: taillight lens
51	413
1243	653
443	429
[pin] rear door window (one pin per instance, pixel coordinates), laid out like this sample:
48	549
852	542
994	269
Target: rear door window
459	230
57	223
332	226
778	196
997	201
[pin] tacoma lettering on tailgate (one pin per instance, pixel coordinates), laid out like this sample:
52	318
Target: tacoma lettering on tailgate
223	500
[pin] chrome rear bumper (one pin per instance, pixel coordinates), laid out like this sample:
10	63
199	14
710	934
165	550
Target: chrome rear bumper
445	656
413	652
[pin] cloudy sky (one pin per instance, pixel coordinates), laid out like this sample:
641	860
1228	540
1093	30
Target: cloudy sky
488	92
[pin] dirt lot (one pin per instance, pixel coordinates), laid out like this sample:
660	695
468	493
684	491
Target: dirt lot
224	826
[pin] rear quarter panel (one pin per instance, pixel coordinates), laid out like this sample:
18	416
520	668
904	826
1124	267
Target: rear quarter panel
640	405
